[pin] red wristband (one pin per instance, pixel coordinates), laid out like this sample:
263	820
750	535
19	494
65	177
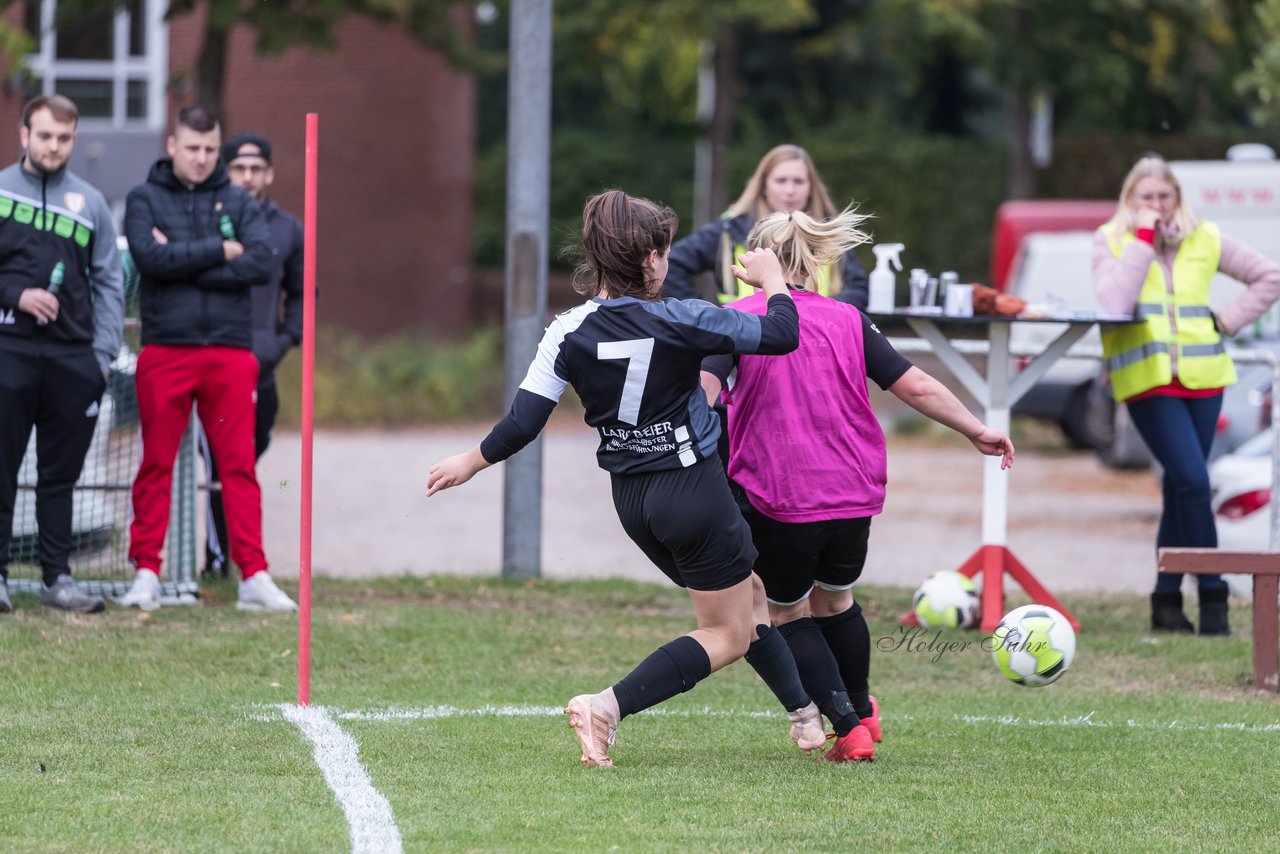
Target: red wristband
1147	235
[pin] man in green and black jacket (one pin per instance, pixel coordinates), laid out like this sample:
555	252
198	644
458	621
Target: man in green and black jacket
61	318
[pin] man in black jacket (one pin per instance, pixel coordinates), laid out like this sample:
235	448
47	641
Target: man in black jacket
201	245
61	316
277	314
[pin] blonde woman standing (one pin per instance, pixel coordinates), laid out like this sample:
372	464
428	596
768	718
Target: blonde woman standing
785	180
1155	258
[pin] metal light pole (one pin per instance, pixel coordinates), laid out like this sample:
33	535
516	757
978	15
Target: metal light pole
528	169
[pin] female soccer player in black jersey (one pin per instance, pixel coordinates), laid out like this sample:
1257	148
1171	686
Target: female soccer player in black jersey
634	361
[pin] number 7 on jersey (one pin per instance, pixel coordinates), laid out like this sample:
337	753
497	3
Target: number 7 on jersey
638	353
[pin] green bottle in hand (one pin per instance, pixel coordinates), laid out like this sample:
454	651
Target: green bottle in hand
55	286
55	279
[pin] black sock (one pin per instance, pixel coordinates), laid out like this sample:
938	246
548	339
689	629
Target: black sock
671	669
820	673
850	640
771	658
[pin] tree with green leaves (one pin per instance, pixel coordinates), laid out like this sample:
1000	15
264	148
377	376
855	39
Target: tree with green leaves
1156	65
650	57
1261	82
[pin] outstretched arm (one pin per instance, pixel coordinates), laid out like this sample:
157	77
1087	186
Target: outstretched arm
522	424
530	409
929	397
455	470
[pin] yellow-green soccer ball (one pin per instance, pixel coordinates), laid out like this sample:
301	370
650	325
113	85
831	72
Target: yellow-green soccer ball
1033	645
946	600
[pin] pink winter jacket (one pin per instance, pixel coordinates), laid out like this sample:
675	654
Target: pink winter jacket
1118	281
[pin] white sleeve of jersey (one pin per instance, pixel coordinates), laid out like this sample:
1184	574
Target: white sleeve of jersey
542	378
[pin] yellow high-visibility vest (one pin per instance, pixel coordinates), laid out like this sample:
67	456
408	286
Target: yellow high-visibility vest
731	288
1140	357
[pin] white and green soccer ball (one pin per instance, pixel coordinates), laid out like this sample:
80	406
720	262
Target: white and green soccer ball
946	600
1033	645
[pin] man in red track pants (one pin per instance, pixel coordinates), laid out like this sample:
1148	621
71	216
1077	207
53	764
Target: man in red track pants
200	244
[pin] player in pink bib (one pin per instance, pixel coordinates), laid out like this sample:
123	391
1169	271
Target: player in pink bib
807	462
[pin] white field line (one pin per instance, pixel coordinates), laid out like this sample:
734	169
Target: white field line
1089	721
369	817
405	713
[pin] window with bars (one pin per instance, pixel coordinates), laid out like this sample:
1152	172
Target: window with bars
111	62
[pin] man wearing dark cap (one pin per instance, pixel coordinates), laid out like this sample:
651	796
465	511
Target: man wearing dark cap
277	313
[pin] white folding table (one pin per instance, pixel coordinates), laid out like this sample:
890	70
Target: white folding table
995	393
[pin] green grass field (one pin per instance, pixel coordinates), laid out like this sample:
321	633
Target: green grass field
167	732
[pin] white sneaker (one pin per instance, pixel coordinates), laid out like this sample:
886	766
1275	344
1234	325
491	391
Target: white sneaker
259	593
145	592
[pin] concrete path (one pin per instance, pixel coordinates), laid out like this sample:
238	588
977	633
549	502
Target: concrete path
1075	524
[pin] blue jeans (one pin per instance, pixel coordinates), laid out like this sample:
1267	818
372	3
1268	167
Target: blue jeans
1179	431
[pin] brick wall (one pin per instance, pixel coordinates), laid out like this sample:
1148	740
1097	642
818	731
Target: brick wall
395	165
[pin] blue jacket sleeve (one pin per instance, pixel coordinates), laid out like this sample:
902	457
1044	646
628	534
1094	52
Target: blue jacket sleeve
853	279
290	332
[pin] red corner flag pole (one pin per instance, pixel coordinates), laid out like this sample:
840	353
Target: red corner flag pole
308	406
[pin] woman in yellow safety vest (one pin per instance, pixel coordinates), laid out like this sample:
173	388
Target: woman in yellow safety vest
1154	258
784	180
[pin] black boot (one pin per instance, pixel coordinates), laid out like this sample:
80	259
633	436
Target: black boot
1166	613
1213	611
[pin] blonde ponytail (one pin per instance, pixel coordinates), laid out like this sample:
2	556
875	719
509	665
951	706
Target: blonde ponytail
804	244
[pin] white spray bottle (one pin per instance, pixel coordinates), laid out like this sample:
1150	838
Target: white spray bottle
881	280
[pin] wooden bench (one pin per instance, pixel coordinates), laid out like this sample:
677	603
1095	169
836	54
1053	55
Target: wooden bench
1265	569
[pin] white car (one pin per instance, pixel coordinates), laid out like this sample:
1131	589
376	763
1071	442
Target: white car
1241	484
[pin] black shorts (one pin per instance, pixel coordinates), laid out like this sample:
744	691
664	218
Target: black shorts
686	521
794	556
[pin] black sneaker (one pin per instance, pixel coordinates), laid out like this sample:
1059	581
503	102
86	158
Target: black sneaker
66	596
5	605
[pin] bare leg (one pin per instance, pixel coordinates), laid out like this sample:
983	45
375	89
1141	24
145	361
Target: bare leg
722	637
828	603
724	622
